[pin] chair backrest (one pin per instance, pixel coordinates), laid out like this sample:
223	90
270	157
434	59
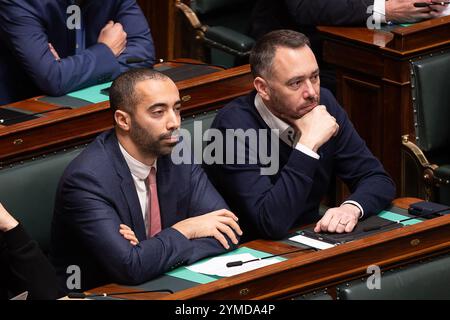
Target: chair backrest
232	14
227	32
430	78
28	190
210	6
424	280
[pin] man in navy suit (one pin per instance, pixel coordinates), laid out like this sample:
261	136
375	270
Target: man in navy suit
108	189
314	140
54	47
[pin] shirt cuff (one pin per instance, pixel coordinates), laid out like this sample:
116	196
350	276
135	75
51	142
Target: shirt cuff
379	11
357	205
302	148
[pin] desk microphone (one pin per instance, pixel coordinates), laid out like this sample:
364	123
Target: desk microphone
407	219
2	121
82	295
240	262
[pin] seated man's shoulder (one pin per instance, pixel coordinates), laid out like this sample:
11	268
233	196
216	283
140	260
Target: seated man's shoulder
326	96
329	100
94	159
239	113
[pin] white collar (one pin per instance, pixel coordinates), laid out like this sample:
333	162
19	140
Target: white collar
137	168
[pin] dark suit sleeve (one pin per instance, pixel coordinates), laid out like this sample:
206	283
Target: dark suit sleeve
87	209
326	12
205	199
139	39
29	42
29	269
370	185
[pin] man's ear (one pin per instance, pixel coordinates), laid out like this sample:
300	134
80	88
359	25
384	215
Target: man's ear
123	120
262	87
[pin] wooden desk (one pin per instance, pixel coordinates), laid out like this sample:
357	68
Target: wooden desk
307	271
64	127
373	80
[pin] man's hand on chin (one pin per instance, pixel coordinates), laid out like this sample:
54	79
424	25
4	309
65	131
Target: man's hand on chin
338	220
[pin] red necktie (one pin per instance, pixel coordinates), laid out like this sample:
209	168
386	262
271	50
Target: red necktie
154	216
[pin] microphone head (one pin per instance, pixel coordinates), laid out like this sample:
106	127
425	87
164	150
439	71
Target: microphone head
234	264
76	295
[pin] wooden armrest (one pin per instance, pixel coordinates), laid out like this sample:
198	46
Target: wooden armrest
190	15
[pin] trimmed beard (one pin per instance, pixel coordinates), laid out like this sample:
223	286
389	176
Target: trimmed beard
147	144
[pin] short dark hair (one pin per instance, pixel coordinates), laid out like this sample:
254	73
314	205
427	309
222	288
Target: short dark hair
122	95
262	54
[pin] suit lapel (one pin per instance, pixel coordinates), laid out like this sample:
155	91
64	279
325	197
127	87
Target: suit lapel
127	186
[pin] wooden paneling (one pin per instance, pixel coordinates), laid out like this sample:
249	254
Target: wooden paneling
161	17
173	37
362	99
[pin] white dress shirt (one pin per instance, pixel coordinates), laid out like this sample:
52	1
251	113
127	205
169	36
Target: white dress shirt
139	173
287	134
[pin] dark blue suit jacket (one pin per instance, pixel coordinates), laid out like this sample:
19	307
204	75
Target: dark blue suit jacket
97	193
27	67
268	206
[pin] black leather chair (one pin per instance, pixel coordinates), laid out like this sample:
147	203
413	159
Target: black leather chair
426	159
222	26
316	295
424	280
28	189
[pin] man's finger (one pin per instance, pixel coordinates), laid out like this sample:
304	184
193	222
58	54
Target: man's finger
131	237
350	226
336	130
227	230
317	228
227	213
219	236
230	222
53	51
340	228
325	221
332	226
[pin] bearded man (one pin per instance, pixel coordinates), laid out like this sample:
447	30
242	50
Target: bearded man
124	211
